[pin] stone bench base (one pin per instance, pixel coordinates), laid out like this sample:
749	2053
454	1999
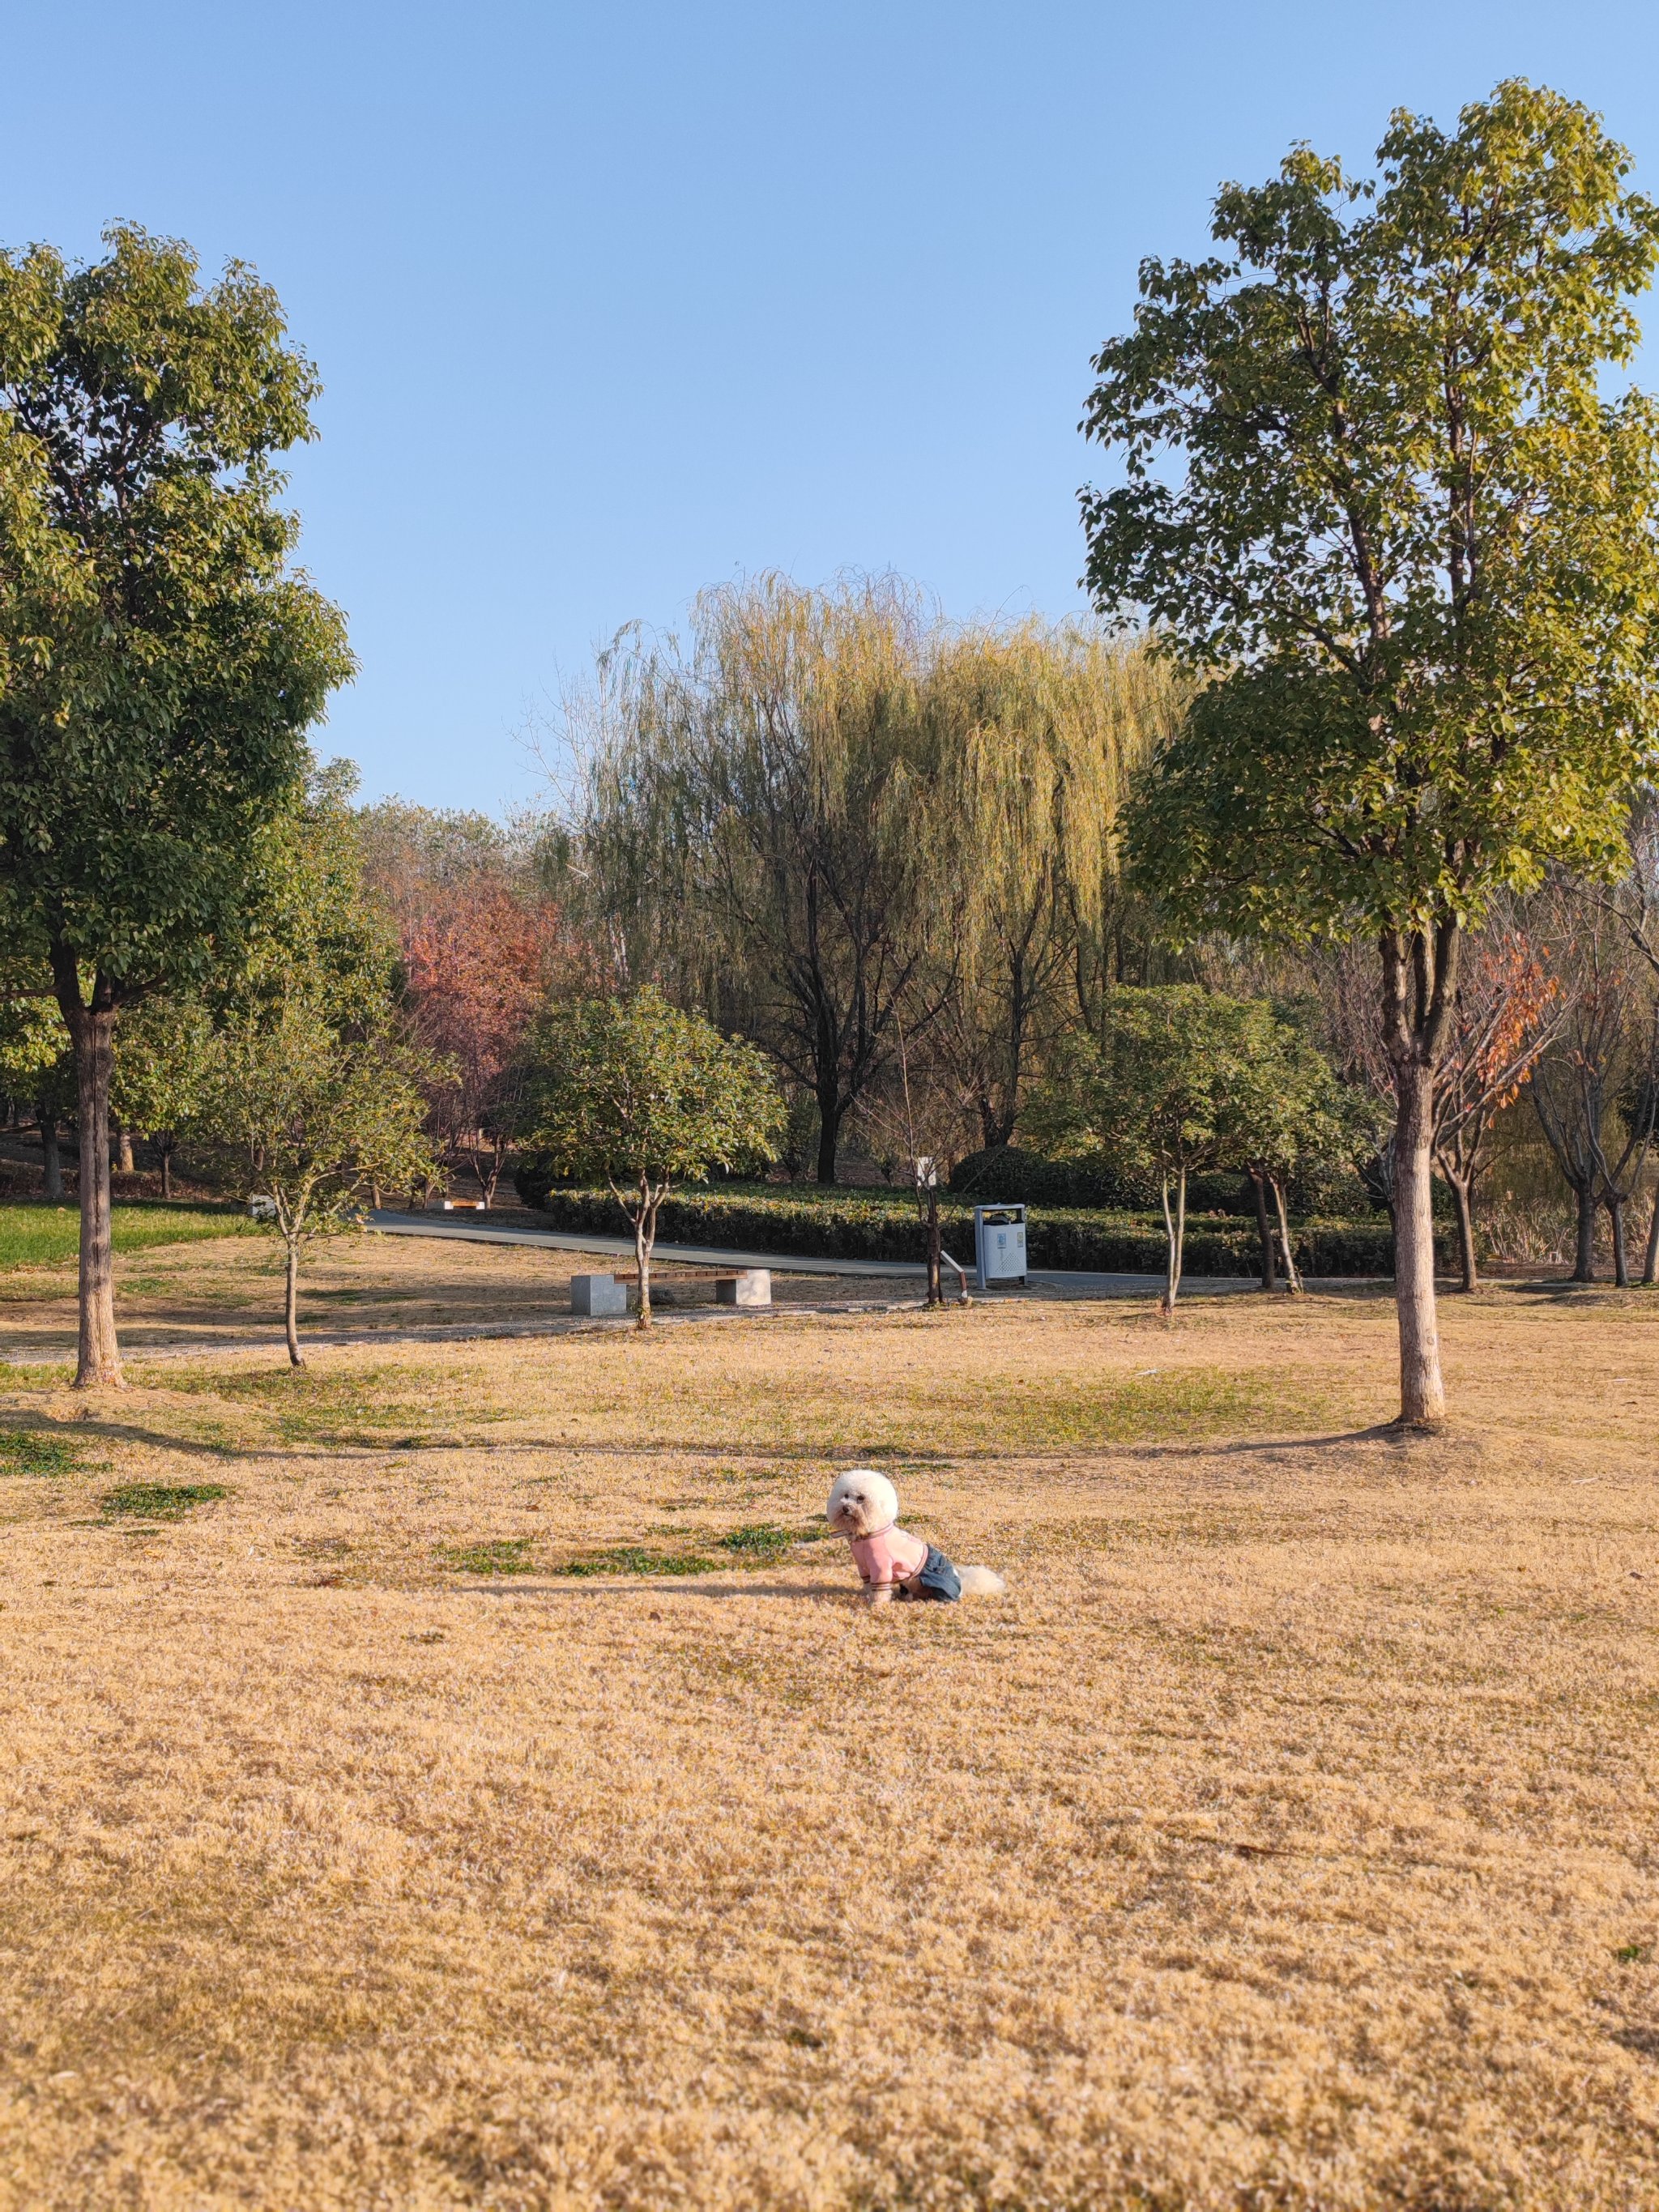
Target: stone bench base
605	1297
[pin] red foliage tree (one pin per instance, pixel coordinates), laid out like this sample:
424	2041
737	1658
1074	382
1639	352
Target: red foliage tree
1506	1010
478	961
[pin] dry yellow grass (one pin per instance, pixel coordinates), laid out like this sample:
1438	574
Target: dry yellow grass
1288	1838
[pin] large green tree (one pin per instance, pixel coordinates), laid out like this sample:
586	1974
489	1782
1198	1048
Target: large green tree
159	660
1379	494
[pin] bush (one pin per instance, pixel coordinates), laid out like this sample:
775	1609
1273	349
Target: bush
843	1225
1023	1178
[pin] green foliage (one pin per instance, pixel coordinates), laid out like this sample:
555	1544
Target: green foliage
159	660
637	1094
1157	1095
1287	1113
318	1114
33	1045
163	1049
160	1501
1407	528
36	1235
840	1224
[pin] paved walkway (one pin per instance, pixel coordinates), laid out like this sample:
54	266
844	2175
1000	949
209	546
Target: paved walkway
1044	1282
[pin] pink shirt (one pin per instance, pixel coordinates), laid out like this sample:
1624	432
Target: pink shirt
891	1555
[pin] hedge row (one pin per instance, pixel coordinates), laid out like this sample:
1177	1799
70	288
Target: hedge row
865	1226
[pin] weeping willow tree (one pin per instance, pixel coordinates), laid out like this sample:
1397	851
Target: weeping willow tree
756	831
1034	732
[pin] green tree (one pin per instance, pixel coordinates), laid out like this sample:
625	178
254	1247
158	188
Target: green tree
635	1093
1286	1114
1156	1095
36	1065
159	659
1377	497
162	1053
751	837
321	1116
1034	732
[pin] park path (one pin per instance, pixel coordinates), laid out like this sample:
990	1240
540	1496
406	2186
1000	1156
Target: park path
1042	1282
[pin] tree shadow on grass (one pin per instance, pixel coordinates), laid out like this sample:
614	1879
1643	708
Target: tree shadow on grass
654	1586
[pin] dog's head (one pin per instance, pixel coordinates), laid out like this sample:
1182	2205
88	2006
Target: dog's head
861	1501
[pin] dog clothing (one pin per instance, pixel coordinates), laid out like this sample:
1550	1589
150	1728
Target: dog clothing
893	1556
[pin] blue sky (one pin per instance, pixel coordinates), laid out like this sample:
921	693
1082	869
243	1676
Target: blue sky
614	301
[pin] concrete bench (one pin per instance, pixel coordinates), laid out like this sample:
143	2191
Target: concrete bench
604	1297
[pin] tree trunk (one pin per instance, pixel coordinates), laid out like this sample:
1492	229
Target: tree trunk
645	1236
1459	1188
166	1169
935	1294
1176	1229
1616	1218
1650	1257
1583	1268
1422	1393
123	1148
1292	1277
291	1304
51	1159
98	1364
1258	1188
828	1131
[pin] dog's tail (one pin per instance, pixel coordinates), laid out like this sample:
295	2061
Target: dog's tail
982	1581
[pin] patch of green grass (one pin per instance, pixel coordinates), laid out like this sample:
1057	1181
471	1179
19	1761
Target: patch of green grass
505	1555
33	1234
31	1451
758	1544
1634	1954
634	1559
331	1406
160	1501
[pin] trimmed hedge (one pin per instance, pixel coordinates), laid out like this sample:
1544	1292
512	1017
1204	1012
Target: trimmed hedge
842	1224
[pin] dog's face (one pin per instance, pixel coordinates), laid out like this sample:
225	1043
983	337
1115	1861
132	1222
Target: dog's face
861	1501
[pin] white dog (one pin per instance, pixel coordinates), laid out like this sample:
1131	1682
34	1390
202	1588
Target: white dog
892	1563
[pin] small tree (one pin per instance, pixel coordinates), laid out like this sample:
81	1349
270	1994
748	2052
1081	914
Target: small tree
319	1116
1285	1113
1596	1088
1155	1094
1380	502
1507	1007
635	1093
162	1057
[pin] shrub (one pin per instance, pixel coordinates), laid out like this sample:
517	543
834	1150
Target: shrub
843	1225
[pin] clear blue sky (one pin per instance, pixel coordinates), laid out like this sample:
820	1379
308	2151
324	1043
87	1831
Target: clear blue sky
613	300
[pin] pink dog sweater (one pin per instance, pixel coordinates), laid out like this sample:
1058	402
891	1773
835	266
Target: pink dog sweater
891	1555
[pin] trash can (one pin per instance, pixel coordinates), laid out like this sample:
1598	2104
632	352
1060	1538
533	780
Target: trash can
1000	1244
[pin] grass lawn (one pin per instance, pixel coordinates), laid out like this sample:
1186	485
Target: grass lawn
458	1775
35	1234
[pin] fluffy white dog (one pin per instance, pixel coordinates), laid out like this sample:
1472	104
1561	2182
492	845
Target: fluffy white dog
892	1563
